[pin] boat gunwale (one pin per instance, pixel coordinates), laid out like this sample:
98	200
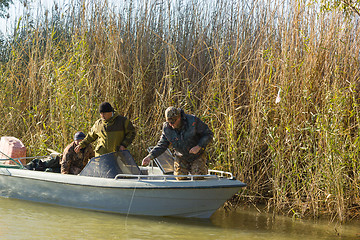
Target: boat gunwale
151	183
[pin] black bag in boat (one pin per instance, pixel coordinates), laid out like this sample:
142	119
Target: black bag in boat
48	164
111	164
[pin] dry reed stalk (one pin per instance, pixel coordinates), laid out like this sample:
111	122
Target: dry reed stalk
298	154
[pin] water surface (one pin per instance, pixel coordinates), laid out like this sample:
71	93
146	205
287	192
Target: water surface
26	220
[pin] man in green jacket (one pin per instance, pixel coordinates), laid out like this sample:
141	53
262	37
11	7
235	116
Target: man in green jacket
112	132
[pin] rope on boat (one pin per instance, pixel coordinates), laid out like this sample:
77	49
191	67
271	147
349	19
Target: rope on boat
13	160
133	194
132	198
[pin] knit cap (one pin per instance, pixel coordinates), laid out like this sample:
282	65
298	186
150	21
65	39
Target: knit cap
105	107
79	136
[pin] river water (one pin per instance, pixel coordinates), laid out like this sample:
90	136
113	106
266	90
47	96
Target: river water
26	220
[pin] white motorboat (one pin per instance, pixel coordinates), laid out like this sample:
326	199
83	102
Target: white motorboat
114	183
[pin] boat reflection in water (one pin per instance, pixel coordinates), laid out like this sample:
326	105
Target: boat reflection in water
114	183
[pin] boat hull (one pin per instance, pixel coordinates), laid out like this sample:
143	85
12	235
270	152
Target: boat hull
154	197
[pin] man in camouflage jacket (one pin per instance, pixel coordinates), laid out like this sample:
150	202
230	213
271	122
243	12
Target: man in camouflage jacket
189	136
112	132
72	162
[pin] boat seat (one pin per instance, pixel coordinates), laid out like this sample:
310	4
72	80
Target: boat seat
165	161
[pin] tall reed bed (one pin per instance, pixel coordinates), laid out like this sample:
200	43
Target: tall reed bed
277	83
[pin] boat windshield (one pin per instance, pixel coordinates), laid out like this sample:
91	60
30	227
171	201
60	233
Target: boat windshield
111	164
165	161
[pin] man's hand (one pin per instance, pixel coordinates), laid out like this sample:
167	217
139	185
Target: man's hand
77	149
195	149
146	161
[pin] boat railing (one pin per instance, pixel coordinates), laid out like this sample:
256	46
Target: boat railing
213	174
16	161
222	174
20	158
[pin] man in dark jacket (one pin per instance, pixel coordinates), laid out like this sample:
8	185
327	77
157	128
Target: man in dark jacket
112	132
189	136
72	162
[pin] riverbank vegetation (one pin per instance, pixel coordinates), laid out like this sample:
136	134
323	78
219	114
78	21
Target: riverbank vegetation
277	82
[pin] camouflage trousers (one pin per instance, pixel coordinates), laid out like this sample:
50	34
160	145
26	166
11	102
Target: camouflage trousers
196	167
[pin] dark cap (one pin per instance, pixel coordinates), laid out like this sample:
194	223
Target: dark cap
172	112
105	107
79	136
